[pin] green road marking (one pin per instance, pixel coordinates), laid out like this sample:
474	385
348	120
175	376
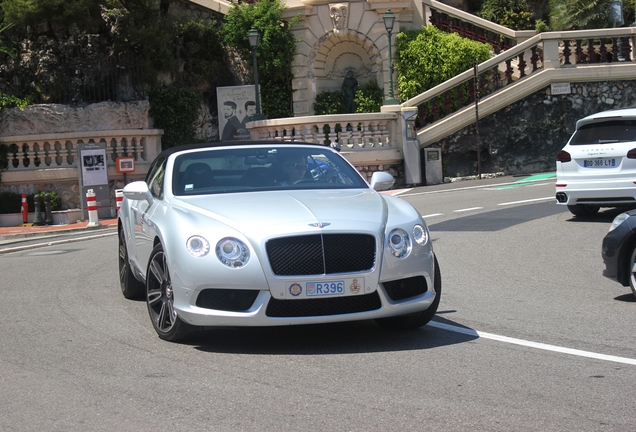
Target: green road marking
531	179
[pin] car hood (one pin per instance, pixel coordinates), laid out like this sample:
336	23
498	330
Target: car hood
292	211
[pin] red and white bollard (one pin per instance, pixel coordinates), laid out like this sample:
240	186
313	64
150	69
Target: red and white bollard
91	205
119	197
25	209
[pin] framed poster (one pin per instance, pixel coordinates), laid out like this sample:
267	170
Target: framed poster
93	167
236	107
125	164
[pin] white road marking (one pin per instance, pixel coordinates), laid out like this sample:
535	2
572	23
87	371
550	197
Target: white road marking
468	209
527	201
531	344
432	215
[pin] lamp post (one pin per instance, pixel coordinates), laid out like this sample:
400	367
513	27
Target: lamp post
389	19
253	37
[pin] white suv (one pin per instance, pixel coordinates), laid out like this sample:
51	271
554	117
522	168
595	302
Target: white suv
597	167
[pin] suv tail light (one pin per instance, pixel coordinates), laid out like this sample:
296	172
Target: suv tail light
631	154
564	156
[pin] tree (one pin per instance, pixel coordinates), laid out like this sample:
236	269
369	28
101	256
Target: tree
429	56
579	14
84	13
276	50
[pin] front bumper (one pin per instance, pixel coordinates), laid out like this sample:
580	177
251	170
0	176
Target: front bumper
377	304
616	248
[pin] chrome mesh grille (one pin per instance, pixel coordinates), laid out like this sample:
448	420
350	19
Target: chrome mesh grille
318	254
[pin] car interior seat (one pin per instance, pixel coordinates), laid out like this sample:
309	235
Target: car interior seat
197	176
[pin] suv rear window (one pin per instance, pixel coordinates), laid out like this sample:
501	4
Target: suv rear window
605	133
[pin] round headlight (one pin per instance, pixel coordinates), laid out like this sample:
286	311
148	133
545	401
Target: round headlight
232	252
420	235
198	246
618	220
399	243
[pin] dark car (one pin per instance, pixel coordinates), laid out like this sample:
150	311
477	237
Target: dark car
619	250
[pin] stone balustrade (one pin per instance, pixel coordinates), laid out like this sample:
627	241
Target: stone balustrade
363	138
59	150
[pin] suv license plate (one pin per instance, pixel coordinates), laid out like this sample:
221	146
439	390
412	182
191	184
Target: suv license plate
599	163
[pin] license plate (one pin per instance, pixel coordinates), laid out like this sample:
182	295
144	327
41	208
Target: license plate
599	163
325	288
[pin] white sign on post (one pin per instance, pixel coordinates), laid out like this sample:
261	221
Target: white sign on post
560	88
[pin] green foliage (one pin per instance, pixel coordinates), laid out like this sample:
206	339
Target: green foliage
578	14
369	98
83	13
174	110
200	47
275	51
495	10
518	20
329	102
541	26
429	56
8	101
148	35
11	202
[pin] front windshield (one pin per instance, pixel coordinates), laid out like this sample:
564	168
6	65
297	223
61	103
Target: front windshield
263	168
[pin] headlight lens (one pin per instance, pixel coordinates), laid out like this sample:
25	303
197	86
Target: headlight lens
198	246
232	252
399	243
618	220
420	235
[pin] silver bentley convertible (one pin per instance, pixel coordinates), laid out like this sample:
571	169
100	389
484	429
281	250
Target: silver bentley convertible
271	234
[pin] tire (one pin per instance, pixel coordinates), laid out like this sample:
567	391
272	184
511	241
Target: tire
417	319
131	288
583	209
160	300
631	271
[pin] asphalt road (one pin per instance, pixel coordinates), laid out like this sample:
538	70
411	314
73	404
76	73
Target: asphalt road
529	336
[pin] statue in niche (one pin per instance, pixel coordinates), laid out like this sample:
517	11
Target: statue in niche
338	14
349	87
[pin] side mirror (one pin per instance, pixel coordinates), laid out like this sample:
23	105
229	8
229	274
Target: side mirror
138	191
381	180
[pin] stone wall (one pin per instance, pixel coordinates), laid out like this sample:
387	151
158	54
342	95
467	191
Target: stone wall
525	137
56	118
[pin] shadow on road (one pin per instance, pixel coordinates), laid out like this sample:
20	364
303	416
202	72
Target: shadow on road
603	216
341	338
627	298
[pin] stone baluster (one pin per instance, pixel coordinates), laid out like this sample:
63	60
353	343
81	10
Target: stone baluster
30	153
70	153
364	135
306	133
355	138
320	136
119	147
333	135
59	158
47	160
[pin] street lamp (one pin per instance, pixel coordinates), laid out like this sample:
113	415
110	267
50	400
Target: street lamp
615	19
253	37
389	19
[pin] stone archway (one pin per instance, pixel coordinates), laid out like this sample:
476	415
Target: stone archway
337	52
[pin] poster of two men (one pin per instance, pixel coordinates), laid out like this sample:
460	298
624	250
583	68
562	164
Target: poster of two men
236	107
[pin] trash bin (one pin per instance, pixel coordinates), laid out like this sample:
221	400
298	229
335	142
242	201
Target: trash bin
432	165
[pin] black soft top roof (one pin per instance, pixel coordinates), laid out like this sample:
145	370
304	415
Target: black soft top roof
167	152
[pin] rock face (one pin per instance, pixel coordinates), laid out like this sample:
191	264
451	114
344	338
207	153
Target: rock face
54	118
525	137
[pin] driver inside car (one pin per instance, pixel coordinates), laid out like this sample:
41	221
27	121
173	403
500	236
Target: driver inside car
294	168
